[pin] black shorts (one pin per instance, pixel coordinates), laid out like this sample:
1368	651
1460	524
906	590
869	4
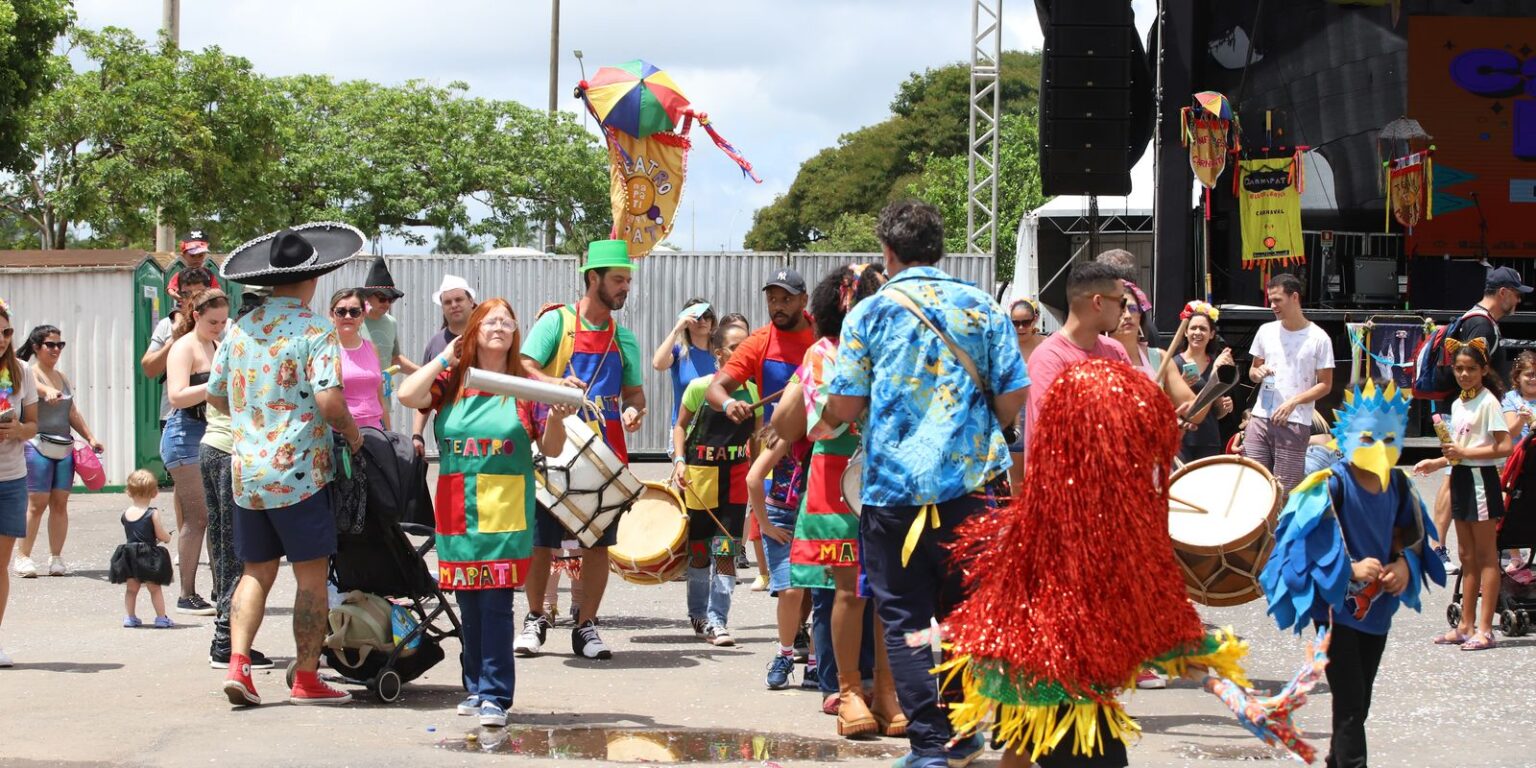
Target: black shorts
1476	494
705	536
550	534
301	532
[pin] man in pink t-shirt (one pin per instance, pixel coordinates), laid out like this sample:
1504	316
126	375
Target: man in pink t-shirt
1095	299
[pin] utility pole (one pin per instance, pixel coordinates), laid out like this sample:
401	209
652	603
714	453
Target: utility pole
170	24
554	103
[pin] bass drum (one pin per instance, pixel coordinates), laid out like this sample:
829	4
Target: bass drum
852	483
1222	512
652	540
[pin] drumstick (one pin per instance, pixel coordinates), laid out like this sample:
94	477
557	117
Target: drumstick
766	400
1178	336
1196	508
711	514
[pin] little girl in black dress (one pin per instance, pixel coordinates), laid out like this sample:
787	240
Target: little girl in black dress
141	559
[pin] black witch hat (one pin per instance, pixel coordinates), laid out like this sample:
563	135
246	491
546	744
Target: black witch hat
380	281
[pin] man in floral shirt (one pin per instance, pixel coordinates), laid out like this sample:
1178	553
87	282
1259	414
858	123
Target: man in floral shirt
278	375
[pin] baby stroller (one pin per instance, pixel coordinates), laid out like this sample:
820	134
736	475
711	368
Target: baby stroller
381	561
1517	530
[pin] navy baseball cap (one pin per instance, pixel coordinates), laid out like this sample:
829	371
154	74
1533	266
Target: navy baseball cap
1506	277
788	279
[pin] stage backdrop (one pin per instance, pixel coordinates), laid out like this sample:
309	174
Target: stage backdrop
1472	84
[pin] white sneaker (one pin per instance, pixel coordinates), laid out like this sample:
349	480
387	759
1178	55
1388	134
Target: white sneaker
24	567
56	566
5	660
531	640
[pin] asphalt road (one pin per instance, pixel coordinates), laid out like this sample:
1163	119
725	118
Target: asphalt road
86	691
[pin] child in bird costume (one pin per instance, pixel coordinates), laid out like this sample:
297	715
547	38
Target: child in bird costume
1350	548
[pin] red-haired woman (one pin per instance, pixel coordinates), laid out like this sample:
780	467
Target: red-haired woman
484	502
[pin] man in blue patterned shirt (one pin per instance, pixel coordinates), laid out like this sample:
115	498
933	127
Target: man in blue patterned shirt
933	445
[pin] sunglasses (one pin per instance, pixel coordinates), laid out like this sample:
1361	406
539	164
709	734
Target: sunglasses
7	333
1022	324
54	345
379	298
1125	301
347	311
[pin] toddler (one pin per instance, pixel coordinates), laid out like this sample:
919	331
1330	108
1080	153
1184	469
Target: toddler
141	559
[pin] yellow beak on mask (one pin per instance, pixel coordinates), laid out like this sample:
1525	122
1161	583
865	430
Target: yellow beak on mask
1378	459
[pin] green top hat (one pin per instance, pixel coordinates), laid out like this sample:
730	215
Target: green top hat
607	253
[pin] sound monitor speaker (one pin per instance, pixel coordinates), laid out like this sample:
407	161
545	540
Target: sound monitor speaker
1086	98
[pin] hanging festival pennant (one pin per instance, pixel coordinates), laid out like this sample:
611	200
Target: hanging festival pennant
1409	181
646	119
1209	130
1269	203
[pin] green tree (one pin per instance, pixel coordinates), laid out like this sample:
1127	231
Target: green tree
871	166
943	183
137	130
28	31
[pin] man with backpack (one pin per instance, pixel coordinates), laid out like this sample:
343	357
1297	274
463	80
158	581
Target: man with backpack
1433	379
582	345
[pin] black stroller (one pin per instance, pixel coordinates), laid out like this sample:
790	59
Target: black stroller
380	560
1517	531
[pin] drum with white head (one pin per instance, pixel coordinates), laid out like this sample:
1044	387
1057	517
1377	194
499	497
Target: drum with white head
1221	516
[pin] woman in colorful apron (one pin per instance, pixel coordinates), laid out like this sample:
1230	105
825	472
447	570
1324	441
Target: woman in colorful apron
825	553
485	491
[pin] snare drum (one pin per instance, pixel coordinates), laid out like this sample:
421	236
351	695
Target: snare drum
586	487
1221	516
852	482
652	546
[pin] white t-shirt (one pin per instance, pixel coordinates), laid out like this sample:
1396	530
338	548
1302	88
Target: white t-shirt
13	463
1295	357
161	337
1473	423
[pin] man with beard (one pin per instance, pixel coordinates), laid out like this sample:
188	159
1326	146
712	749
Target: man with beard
769	357
457	300
581	345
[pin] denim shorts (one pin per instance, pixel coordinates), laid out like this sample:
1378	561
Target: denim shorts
180	440
45	474
778	554
13	508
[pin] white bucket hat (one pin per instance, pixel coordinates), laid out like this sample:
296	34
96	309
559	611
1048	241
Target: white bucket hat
453	283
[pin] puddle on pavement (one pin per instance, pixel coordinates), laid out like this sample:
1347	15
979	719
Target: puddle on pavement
626	745
1229	752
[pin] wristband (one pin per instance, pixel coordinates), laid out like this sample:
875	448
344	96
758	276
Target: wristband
677	460
419	437
443	361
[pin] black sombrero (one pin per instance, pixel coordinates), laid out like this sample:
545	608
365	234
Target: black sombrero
380	281
293	255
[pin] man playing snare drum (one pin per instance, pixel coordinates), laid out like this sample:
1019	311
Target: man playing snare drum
581	345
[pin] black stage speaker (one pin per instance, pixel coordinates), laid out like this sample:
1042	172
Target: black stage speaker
1445	283
1087	98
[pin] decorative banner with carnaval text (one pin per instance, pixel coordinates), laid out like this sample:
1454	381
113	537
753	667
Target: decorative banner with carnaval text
647	185
1409	180
1208	149
1269	204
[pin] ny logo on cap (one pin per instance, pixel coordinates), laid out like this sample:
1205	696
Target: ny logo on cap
783	276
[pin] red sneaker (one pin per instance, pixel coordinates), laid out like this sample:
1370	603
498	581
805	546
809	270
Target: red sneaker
829	704
316	691
238	685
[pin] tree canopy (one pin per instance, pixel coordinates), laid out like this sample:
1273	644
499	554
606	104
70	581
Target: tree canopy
28	30
837	193
215	145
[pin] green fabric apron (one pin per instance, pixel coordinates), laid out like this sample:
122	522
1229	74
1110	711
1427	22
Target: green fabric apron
485	493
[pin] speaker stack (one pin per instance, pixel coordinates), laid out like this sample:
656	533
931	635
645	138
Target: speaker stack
1086	98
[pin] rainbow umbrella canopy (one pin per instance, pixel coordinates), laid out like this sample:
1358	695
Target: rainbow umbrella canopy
637	98
1214	103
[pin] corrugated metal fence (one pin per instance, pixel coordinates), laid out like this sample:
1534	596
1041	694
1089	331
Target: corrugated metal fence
93	308
731	282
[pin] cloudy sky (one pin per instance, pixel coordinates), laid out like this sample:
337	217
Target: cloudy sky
780	78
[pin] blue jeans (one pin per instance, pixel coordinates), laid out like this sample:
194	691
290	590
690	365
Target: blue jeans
709	595
910	597
821	634
13	509
488	628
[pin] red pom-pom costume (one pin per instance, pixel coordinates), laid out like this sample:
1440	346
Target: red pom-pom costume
1073	587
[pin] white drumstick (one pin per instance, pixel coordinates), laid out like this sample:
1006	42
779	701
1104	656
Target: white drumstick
523	388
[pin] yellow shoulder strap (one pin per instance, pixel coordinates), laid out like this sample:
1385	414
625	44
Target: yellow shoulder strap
563	353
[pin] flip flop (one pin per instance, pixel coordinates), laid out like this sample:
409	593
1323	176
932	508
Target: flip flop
1452	638
1475	644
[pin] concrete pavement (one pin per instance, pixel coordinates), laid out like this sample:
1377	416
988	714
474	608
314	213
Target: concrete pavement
86	692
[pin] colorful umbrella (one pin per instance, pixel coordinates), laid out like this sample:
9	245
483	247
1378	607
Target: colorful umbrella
635	97
1214	103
